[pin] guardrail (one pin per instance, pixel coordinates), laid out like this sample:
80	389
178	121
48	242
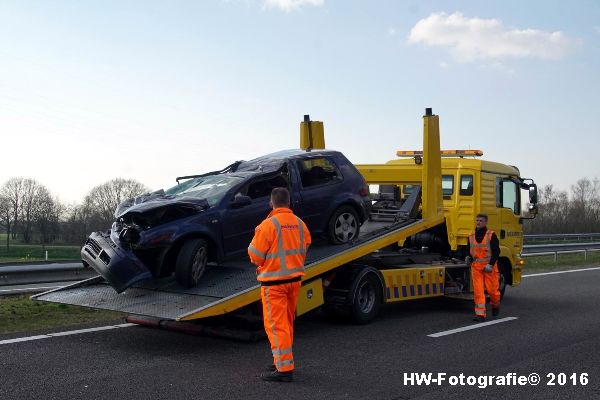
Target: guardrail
556	253
18	274
536	248
562	236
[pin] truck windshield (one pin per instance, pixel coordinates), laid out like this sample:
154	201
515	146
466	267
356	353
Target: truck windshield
212	187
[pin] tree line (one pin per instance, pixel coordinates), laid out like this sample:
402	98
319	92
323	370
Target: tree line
29	212
575	211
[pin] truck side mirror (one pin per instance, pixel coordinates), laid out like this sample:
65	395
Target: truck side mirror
240	201
533	194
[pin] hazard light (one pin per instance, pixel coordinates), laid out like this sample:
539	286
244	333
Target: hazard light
447	153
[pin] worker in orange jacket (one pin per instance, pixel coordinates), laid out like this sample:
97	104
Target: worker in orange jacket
278	249
484	252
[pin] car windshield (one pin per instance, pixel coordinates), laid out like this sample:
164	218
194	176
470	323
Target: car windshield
212	187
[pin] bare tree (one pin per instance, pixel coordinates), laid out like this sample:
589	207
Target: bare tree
12	191
6	217
105	198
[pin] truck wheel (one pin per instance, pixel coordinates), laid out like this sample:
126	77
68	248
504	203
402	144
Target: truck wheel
344	225
366	299
191	262
502	279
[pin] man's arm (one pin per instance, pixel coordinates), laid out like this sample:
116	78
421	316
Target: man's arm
260	245
495	246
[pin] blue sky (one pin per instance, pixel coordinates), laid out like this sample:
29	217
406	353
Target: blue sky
153	90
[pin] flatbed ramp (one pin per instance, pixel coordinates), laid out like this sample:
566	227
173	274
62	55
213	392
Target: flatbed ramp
224	287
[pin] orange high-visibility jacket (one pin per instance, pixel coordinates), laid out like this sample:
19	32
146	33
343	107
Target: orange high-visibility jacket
279	246
481	252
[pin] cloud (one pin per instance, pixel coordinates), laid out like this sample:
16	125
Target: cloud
597	29
291	5
443	65
471	39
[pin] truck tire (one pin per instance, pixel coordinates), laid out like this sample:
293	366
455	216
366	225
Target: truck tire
191	262
367	298
502	278
343	226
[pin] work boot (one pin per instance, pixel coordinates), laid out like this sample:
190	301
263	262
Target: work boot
271	368
495	311
277	376
479	318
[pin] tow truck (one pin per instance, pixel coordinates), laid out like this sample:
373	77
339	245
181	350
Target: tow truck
413	245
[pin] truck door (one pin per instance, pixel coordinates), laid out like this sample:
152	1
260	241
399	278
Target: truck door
239	223
508	200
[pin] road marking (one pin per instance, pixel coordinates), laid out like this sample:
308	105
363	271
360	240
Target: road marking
66	333
469	327
561	272
28	289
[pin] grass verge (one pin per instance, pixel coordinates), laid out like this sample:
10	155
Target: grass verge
21	314
563	262
23	252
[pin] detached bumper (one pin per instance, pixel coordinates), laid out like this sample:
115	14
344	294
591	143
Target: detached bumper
121	268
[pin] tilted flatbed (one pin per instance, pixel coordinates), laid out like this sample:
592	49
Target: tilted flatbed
226	287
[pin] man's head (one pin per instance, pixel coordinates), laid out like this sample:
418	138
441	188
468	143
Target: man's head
280	197
481	221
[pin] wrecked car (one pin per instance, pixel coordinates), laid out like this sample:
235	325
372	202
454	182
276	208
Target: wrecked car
211	217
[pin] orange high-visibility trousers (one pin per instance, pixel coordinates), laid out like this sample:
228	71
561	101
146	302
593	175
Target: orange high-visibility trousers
485	282
279	310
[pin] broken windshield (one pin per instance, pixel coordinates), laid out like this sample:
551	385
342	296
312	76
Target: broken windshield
212	187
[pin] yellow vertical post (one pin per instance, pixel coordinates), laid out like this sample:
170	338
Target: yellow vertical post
432	199
312	134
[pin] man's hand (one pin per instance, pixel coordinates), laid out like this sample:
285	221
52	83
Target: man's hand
468	260
488	268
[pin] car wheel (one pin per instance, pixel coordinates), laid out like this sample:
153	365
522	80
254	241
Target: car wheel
344	225
191	262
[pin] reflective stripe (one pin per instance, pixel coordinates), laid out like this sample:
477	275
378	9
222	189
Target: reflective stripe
287	253
280	250
284	362
481	259
277	352
301	236
480	305
280	273
271	317
257	252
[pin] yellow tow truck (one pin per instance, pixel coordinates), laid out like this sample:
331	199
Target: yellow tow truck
412	246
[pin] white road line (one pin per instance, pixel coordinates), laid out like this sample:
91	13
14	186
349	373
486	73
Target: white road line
28	289
66	333
475	326
560	272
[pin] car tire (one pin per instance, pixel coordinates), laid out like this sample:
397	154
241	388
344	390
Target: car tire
344	225
191	262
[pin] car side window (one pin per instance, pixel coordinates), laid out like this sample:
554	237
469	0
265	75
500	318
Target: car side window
317	171
263	188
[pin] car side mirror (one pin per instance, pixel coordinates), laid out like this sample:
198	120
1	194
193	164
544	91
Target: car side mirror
240	201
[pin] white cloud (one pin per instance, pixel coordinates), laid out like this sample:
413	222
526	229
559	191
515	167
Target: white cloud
443	65
470	39
597	28
290	5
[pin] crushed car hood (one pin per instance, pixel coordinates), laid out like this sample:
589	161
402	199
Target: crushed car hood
158	203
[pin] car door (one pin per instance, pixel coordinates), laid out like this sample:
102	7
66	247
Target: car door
319	181
239	223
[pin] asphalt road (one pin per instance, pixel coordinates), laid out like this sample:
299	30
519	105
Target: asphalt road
557	330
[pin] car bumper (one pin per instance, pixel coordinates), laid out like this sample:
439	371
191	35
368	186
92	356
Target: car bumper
121	268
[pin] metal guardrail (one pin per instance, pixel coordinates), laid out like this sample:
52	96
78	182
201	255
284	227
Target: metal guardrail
562	236
556	253
19	274
536	248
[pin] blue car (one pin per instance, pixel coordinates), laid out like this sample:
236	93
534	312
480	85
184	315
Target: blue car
211	217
